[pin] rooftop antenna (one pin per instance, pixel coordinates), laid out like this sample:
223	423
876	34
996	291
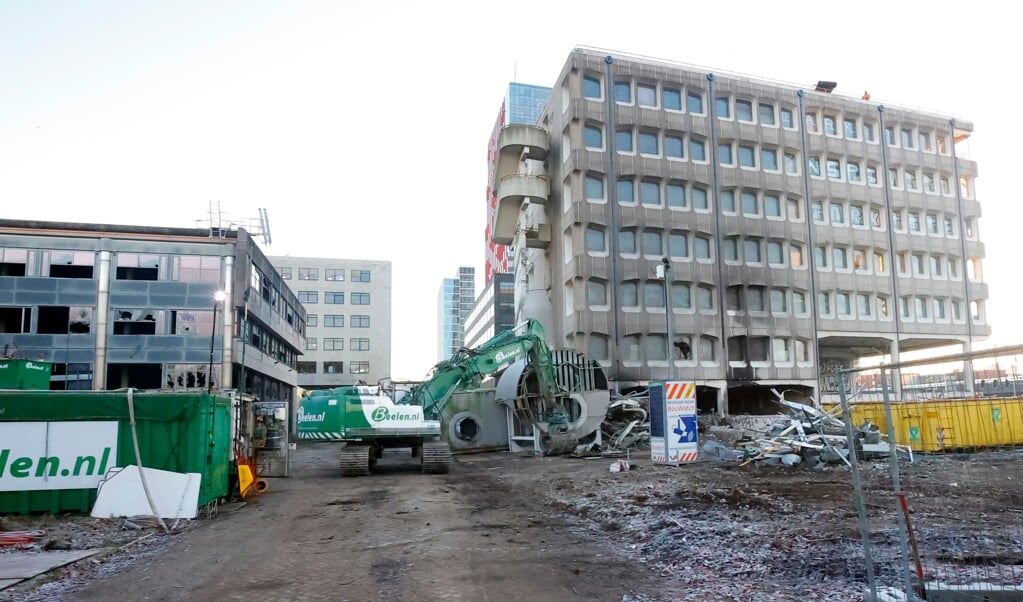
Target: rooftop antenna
220	224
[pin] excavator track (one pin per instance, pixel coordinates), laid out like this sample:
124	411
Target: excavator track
436	457
355	460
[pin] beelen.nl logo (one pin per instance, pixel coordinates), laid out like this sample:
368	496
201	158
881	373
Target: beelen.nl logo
501	355
50	466
383	413
303	416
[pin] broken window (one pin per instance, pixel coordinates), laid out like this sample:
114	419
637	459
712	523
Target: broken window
192	322
72	264
136	321
71	377
138	376
13	262
15	320
133	266
64	320
188	376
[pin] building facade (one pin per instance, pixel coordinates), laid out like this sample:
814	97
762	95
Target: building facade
493	312
454	302
348	319
132	306
523	103
801	229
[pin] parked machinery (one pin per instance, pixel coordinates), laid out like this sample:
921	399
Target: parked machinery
371	422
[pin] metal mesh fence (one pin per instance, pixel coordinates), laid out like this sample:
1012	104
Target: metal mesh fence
940	512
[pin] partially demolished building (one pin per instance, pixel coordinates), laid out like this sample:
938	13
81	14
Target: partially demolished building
789	230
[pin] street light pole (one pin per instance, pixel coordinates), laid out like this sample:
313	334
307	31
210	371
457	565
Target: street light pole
218	297
663	273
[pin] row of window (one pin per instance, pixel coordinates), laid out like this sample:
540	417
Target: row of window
656	243
262	286
337	321
776	301
759	350
332	298
359	367
127	266
681	195
749	155
746	110
329	274
337	344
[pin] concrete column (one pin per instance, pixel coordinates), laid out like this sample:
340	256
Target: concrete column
896	375
968	385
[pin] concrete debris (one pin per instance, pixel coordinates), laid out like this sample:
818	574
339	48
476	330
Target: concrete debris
626	424
804	433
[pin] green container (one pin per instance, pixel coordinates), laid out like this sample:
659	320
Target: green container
25	374
72	434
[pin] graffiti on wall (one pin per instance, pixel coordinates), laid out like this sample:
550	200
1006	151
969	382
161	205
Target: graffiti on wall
829	376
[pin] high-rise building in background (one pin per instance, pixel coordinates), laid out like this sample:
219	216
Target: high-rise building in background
348	319
802	229
493	312
454	302
523	103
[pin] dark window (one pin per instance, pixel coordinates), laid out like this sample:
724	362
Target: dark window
333	367
306	367
15	320
71	264
132	266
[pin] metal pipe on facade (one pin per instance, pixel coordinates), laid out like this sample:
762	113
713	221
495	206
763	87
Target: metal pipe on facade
896	299
99	369
716	204
611	192
810	248
227	352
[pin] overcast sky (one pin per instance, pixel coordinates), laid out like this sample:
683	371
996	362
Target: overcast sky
362	127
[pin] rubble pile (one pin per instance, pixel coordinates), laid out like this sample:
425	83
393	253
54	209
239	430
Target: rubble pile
626	425
804	433
727	542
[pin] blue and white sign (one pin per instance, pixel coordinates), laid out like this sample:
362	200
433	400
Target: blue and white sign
673	436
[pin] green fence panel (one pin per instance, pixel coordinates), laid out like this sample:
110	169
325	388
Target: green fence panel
177	431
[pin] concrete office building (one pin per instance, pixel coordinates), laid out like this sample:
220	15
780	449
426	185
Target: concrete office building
454	302
802	229
523	103
348	319
132	306
493	312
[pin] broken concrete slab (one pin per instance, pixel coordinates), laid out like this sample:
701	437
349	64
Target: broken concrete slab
16	567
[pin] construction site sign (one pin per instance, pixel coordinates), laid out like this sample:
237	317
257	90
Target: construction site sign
673	436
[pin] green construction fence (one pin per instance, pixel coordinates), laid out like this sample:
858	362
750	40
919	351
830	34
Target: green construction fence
177	431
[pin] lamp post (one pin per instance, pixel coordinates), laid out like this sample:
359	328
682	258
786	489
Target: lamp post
218	297
662	272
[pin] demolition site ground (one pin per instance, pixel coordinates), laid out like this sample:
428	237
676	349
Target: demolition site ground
504	526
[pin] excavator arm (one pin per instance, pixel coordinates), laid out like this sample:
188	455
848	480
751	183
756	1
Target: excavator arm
469	366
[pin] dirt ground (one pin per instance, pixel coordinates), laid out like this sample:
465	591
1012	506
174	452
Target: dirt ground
503	526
